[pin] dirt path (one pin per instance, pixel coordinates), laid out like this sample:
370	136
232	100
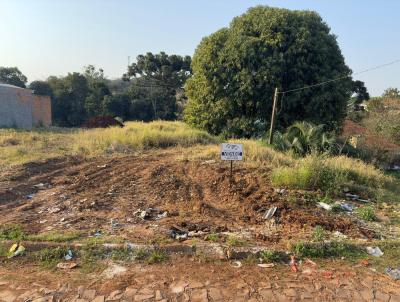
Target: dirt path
184	279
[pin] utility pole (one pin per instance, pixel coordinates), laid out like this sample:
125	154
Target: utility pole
271	129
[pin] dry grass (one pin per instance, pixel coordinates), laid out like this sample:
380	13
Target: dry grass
22	146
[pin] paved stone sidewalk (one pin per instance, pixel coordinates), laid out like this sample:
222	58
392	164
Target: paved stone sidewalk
238	289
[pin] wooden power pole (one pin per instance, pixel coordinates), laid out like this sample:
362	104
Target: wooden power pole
271	129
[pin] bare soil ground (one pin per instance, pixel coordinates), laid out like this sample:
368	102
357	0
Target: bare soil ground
108	195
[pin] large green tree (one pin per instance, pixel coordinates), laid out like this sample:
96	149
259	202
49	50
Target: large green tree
236	69
12	76
157	80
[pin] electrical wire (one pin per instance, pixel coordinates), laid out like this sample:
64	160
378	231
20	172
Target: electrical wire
341	77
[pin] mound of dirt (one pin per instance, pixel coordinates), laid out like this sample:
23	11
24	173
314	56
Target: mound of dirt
142	197
102	122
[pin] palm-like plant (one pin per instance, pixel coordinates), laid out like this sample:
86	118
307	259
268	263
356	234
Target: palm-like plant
303	138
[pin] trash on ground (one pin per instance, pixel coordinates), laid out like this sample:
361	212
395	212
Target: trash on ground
69	255
352	196
293	264
115	223
364	262
270	213
236	264
30	196
15	250
324	206
266	265
178	233
97	234
374	251
54	210
339	235
196	233
151	214
347	207
394	273
102	166
66	265
39	186
280	191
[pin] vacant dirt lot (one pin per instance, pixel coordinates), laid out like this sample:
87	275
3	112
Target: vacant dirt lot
109	195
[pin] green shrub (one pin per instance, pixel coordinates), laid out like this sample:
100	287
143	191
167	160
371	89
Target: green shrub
366	213
271	256
311	172
49	257
12	232
156	256
325	250
318	233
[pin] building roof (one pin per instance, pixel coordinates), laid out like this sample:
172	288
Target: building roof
2	85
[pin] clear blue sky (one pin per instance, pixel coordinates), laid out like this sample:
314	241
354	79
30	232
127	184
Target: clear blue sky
54	37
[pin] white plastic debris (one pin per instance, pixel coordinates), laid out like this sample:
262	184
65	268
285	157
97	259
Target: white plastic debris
374	251
236	264
266	265
324	206
69	255
339	235
270	213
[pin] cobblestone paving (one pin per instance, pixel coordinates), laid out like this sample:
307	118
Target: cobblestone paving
237	289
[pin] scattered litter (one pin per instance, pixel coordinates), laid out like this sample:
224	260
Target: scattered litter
42	221
30	196
352	196
347	207
293	264
102	166
280	191
270	213
39	186
324	206
196	233
69	255
115	223
162	215
266	265
207	162
54	210
394	273
364	200
66	265
97	234
374	251
15	250
236	264
178	233
339	235
151	214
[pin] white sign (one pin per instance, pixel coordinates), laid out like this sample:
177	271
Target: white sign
231	151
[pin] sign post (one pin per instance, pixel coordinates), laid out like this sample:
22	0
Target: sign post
231	152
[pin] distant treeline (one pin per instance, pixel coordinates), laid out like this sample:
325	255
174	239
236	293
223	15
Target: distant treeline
151	89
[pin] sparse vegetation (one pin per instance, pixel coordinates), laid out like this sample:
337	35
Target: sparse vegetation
271	256
328	249
12	232
49	257
156	256
234	241
367	213
55	236
318	234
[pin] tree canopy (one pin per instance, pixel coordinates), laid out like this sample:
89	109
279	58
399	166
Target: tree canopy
391	92
236	69
12	76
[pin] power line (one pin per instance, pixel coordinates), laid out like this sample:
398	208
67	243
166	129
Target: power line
341	77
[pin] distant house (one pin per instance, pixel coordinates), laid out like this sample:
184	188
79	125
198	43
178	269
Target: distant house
20	108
